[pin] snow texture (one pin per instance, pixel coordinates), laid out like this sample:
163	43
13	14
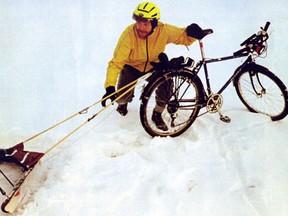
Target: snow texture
53	59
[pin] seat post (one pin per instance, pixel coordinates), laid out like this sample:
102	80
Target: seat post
205	67
202	49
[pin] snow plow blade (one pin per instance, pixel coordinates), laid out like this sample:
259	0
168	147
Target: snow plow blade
17	155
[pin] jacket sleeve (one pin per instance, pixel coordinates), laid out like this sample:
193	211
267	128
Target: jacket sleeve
178	35
120	57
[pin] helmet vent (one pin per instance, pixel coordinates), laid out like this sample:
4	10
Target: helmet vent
147	10
145	5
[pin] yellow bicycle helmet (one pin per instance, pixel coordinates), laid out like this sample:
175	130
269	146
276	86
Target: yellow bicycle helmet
146	11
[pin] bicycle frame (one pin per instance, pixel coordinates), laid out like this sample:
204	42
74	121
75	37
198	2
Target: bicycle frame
204	61
260	90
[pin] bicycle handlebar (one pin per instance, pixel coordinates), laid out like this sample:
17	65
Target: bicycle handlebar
255	42
248	39
254	38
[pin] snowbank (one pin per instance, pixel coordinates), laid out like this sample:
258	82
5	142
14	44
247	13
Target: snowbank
53	57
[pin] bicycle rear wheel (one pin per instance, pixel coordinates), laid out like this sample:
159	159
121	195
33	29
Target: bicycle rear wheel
261	91
181	106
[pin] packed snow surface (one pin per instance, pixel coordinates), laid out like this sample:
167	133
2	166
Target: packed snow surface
53	59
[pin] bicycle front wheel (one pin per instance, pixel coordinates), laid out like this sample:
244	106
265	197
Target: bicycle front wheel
261	91
180	100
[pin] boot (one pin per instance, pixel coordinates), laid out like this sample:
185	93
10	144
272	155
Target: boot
122	109
157	119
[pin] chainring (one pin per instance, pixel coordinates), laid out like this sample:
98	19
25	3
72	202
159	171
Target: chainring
214	103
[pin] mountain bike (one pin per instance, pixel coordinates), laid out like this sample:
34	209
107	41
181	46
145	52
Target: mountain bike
260	90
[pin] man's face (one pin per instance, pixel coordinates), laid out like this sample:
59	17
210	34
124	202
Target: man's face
143	28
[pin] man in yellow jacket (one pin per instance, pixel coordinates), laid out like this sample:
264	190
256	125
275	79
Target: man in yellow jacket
140	44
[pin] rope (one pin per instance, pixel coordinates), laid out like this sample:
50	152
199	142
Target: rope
132	84
76	140
87	108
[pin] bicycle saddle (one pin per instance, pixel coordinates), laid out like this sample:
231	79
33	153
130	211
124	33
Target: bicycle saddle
207	32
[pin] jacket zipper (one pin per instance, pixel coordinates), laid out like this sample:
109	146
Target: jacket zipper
147	55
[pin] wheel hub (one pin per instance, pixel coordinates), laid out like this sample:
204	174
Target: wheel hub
173	106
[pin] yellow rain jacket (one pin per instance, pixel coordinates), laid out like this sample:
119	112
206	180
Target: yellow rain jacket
138	53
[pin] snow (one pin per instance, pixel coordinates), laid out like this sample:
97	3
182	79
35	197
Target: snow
53	59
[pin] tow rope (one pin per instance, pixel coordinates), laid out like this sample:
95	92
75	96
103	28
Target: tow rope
127	88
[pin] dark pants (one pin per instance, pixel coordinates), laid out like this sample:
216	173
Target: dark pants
129	74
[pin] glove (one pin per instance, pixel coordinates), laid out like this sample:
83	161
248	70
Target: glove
163	63
109	90
195	31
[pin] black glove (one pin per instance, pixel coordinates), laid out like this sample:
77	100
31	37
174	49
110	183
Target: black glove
195	31
163	63
109	90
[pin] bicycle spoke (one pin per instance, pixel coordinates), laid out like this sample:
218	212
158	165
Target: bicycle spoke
181	107
261	92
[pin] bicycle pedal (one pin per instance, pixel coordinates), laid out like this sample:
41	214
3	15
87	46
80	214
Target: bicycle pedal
225	119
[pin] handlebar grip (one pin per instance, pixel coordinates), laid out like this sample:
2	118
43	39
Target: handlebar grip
266	26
